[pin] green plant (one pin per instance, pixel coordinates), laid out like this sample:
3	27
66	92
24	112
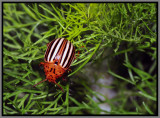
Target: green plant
99	31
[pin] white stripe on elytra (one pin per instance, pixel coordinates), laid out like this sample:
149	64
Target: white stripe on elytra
68	55
50	51
65	52
57	48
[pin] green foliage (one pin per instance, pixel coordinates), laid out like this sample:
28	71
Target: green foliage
99	31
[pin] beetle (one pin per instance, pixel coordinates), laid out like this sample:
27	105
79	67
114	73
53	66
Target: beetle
58	58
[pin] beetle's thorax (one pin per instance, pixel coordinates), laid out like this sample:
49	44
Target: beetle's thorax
53	70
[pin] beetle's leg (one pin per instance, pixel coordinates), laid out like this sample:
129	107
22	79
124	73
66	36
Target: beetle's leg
64	79
78	53
40	82
59	86
41	63
69	70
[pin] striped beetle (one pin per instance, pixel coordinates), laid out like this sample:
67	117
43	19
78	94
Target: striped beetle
58	57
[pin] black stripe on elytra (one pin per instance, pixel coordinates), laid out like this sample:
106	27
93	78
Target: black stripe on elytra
67	54
59	50
49	47
70	58
63	51
54	48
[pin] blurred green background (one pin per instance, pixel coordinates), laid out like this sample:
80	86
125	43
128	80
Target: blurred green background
114	74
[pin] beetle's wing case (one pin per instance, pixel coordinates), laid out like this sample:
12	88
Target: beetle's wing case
50	47
69	56
60	50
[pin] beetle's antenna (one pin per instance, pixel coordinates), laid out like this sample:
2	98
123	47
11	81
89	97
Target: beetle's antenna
40	82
